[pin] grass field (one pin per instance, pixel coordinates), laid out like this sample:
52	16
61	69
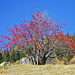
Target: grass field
38	70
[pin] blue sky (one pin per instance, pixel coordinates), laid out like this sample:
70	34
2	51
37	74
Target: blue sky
13	11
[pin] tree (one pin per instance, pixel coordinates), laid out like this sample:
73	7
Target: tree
73	37
22	54
1	58
17	55
42	36
6	56
12	56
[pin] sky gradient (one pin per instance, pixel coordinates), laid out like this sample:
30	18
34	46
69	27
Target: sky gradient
13	11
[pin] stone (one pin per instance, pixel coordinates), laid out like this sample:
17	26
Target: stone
5	64
26	60
2	64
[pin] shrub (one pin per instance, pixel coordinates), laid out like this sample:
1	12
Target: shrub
65	60
17	62
72	61
62	62
56	61
68	56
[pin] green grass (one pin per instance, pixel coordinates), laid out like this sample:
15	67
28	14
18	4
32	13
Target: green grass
38	70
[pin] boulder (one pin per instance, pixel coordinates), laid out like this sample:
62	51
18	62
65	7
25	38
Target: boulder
26	60
5	64
2	64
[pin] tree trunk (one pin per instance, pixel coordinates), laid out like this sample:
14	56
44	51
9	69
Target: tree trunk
37	60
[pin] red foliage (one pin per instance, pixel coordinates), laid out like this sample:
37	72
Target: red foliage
36	29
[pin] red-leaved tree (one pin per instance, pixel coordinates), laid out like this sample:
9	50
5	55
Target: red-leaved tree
42	36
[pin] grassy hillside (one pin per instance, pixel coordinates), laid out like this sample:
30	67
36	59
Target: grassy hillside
38	70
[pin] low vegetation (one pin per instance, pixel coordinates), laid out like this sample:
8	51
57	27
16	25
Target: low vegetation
72	61
38	70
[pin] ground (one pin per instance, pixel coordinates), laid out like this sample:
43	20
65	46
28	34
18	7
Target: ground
38	70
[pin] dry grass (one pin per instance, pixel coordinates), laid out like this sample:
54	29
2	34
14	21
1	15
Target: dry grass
38	70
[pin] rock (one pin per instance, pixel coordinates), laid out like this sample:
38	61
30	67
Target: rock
5	64
2	64
8	63
26	60
22	61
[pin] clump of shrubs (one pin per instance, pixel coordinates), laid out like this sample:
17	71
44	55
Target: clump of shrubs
72	61
56	61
